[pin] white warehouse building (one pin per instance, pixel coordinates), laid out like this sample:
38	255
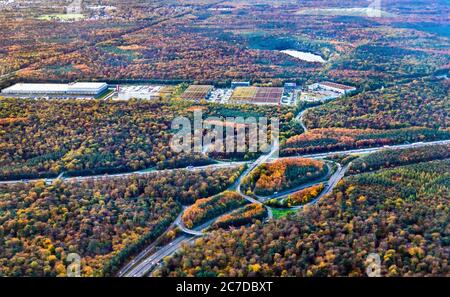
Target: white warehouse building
139	92
77	89
331	86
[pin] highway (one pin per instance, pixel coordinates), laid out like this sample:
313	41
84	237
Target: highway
371	150
329	187
145	261
262	159
151	261
126	174
195	232
145	253
146	265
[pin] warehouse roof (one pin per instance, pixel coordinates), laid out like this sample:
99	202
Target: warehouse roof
87	85
53	88
337	86
20	87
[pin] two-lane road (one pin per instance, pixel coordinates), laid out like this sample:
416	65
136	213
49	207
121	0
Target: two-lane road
299	118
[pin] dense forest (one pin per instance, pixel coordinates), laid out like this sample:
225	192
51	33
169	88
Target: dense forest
208	208
282	175
394	203
336	139
242	216
199	40
401	214
44	138
404	113
301	197
104	221
392	158
422	103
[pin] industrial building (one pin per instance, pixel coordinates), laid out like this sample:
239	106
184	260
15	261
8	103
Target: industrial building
139	92
331	86
290	86
72	90
236	84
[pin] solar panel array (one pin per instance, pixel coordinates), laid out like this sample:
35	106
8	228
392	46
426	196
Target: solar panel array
244	93
263	95
197	92
268	95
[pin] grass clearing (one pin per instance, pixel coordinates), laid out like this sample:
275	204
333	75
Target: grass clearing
281	213
62	17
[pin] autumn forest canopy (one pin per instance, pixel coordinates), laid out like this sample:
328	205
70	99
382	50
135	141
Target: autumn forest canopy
46	138
104	221
361	169
210	41
404	221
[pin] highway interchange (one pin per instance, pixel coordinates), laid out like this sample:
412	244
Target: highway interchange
142	264
145	262
144	267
